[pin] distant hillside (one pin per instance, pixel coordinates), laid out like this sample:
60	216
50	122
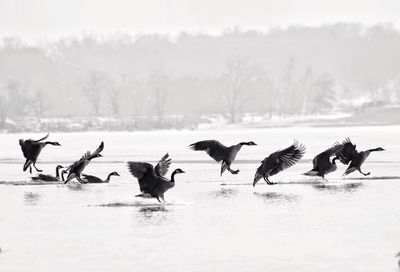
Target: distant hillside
285	72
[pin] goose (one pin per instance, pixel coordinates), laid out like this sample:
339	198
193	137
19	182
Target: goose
42	177
151	179
355	158
279	161
220	152
94	179
322	163
31	150
75	170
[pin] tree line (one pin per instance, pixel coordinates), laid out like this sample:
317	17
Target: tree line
283	72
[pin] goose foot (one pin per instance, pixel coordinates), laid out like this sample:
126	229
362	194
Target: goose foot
235	172
365	174
268	181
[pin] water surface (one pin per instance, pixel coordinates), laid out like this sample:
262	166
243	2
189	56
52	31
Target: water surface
210	223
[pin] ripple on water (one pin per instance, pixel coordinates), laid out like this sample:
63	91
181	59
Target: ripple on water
338	188
277	197
31	199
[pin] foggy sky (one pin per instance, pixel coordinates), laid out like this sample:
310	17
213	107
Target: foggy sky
52	19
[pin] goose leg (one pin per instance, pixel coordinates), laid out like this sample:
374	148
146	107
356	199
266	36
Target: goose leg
80	180
158	198
27	165
268	181
223	167
365	174
162	197
30	169
235	172
69	178
37	168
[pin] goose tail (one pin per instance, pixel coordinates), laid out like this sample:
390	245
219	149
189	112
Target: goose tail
311	173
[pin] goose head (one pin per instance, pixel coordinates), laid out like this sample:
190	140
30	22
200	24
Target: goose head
53	143
179	171
248	143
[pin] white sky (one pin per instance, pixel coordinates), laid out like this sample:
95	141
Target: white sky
51	19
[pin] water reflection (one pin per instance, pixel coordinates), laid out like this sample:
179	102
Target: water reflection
76	187
31	199
150	210
374	178
348	187
277	197
152	214
224	193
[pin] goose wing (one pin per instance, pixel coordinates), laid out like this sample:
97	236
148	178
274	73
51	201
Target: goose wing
97	151
323	158
139	171
162	166
79	163
24	147
41	139
287	157
30	149
348	151
214	149
84	160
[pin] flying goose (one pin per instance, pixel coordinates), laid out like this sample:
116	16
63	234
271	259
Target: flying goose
151	179
220	152
355	158
75	170
279	161
31	150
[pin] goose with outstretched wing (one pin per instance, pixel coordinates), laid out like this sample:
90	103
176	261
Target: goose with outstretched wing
75	170
221	153
31	150
151	179
279	161
355	159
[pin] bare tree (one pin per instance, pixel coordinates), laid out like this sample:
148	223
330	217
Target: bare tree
305	88
158	84
238	78
39	104
323	93
137	96
286	96
396	88
97	82
114	93
3	110
18	98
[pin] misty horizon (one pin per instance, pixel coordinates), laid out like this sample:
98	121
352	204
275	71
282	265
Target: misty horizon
51	20
332	68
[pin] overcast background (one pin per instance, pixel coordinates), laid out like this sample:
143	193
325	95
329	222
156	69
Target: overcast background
51	19
163	64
